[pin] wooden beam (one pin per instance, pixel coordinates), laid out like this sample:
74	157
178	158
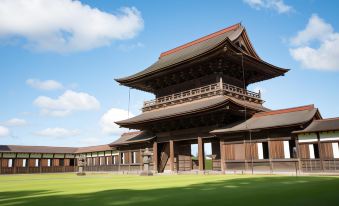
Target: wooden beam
222	156
320	152
201	154
171	155
155	157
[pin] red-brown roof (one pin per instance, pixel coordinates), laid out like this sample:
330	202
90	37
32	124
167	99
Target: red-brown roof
274	119
233	27
282	111
132	137
322	125
97	148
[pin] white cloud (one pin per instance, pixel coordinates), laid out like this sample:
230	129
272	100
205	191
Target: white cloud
57	132
277	5
107	121
44	85
65	25
15	122
67	103
4	131
322	57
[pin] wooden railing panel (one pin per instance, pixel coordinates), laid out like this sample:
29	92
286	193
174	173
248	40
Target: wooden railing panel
202	92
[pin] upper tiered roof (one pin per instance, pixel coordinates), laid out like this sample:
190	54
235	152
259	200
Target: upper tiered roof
233	38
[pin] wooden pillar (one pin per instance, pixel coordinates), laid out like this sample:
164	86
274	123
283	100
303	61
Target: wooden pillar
14	164
155	156
320	152
0	163
119	161
269	154
39	164
222	156
171	155
201	154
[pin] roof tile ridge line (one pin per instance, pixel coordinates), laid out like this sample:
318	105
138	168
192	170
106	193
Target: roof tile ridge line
201	39
282	111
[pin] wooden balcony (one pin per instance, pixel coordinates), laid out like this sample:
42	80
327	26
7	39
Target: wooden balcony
202	92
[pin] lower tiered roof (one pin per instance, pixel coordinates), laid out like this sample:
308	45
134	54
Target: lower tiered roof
274	119
188	108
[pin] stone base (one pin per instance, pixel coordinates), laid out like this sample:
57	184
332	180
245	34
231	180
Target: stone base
146	173
81	173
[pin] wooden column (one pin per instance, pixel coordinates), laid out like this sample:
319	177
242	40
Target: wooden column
0	163
222	156
155	156
201	154
119	161
171	155
320	152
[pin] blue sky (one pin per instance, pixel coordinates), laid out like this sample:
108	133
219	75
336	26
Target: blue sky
81	47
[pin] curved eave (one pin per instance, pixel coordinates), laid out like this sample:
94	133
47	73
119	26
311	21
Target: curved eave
127	81
316	115
253	57
278	70
219	104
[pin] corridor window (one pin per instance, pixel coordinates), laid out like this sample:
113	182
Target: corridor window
134	157
335	148
36	162
10	162
314	151
48	162
287	153
24	162
122	160
263	150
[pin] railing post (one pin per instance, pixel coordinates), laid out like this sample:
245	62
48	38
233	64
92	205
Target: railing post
221	84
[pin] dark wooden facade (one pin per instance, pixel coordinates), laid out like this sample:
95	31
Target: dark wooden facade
201	96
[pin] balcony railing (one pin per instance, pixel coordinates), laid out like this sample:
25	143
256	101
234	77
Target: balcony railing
202	92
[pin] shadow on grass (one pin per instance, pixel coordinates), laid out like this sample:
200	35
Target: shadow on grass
240	191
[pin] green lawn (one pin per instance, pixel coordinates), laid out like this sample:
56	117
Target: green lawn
107	189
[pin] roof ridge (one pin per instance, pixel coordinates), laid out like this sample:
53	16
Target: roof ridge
201	39
287	110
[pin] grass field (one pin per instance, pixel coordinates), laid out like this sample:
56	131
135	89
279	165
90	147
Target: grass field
108	189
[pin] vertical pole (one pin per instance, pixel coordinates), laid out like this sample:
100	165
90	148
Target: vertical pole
221	84
269	142
155	157
0	163
119	160
298	154
201	154
39	164
171	155
222	156
320	152
14	163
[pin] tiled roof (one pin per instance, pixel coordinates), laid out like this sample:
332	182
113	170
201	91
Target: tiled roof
322	125
132	137
205	38
274	119
188	108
